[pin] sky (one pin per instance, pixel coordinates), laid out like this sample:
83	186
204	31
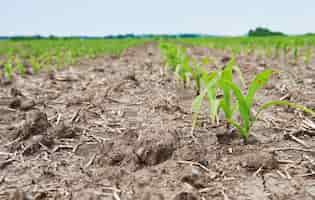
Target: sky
105	17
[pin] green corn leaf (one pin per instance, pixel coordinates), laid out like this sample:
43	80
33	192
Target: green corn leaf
8	71
243	108
285	103
226	109
21	69
210	92
214	111
259	82
198	73
196	107
213	102
178	72
227	76
206	78
240	74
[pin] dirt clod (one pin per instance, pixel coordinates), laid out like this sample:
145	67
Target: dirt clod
191	153
254	161
63	130
155	148
19	195
36	123
33	144
226	137
27	104
15	103
195	177
16	92
186	196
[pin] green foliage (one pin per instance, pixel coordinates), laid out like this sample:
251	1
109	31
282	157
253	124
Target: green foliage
35	65
236	105
296	55
285	103
245	102
57	53
244	110
199	74
259	82
183	68
260	31
307	58
20	67
8	70
227	76
210	93
171	55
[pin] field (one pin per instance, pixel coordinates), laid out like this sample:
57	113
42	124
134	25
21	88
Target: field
122	119
30	56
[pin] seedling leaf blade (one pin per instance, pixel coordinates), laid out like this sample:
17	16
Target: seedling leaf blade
196	107
285	103
243	108
259	82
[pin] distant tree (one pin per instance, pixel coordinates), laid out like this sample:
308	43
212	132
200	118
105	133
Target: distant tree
4	37
261	31
52	37
309	34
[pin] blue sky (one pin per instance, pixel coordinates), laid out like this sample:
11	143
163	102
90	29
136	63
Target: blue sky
102	17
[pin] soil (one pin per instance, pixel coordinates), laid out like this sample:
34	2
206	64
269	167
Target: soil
119	128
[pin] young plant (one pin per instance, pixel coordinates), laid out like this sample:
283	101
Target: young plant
277	50
171	55
35	65
213	83
20	67
225	103
8	70
308	56
268	51
245	103
183	68
198	73
210	92
295	56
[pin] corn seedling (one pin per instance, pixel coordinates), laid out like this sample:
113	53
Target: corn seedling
225	103
20	67
198	73
277	50
171	55
296	55
308	56
183	68
245	103
8	70
59	53
268	51
210	92
213	84
35	65
180	63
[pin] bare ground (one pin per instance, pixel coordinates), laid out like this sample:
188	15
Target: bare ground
117	128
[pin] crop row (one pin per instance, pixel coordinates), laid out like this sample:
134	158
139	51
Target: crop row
293	49
220	89
20	57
